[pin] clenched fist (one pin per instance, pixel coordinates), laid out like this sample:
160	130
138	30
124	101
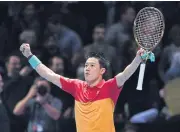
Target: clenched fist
25	49
141	52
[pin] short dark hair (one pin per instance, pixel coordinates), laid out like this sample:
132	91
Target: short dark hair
104	63
101	25
55	19
12	54
57	56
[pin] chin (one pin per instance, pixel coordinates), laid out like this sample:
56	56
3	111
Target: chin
88	79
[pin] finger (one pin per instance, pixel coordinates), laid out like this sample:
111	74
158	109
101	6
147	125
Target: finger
21	47
26	45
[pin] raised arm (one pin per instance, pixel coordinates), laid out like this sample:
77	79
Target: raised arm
122	77
41	69
22	104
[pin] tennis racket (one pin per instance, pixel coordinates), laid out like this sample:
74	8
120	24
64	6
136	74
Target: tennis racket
148	31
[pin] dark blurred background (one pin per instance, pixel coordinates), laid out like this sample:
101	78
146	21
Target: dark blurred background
61	34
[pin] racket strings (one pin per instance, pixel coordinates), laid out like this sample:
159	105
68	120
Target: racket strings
149	28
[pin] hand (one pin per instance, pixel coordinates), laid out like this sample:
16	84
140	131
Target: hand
25	49
32	92
67	113
25	71
140	52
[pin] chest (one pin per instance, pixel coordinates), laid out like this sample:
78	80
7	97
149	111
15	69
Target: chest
85	94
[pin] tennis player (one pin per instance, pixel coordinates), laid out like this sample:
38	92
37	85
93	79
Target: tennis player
95	98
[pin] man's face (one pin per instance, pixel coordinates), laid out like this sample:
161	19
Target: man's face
1	84
98	35
57	65
92	70
53	28
29	10
129	15
51	45
14	65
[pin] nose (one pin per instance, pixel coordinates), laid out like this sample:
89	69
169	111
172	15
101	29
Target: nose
87	68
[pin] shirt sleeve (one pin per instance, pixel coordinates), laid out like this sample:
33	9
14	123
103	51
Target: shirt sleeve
69	85
57	104
29	107
114	89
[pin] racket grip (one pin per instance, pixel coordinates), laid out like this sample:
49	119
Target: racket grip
141	76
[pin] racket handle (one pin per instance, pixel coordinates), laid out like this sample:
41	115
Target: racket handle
141	76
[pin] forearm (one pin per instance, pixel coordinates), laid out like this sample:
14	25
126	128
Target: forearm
128	71
131	68
44	71
21	106
51	111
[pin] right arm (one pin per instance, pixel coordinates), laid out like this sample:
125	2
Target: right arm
68	85
48	74
40	68
64	83
22	105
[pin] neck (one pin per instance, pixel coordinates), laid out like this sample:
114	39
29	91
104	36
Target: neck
95	82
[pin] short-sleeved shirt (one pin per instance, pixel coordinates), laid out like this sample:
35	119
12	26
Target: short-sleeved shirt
94	107
39	119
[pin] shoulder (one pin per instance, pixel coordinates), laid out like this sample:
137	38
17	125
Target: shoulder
71	81
115	27
111	82
88	47
72	32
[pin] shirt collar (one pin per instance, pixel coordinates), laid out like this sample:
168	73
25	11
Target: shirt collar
100	84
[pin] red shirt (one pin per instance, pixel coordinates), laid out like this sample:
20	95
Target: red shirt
94	107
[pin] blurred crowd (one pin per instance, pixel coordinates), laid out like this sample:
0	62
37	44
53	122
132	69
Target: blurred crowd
62	34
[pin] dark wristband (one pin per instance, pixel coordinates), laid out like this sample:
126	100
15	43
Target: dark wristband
29	57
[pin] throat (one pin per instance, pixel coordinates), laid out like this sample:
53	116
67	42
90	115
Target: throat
94	83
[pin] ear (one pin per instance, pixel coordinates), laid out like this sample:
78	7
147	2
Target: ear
103	70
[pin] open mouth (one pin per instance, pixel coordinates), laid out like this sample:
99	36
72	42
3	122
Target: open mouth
86	74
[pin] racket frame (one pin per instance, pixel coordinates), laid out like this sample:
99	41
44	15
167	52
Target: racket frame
143	64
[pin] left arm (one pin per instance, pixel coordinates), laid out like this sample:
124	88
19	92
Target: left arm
122	77
51	111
